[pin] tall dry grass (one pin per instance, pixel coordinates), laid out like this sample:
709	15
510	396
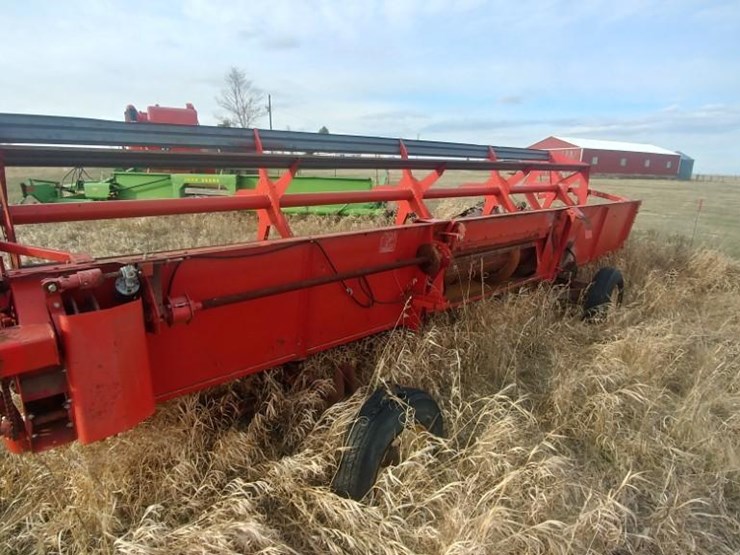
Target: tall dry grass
563	437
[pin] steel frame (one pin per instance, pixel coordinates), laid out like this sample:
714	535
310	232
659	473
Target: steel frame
86	363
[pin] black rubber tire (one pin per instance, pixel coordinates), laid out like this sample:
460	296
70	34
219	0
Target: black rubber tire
380	420
601	291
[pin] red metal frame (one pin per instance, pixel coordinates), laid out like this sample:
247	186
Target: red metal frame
86	363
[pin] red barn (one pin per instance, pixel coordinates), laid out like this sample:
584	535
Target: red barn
615	157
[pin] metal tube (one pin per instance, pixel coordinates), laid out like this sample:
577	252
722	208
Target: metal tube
483	190
216	302
345	197
84	211
31	156
6	219
36	129
36	252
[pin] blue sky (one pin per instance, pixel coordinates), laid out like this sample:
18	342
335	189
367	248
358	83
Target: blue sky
504	73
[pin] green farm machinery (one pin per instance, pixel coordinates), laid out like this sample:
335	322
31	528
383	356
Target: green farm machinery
138	185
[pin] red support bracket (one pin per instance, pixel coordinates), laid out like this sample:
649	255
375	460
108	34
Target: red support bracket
561	238
273	190
16	249
565	185
440	254
576	215
548	198
503	196
526	178
417	187
6	221
576	182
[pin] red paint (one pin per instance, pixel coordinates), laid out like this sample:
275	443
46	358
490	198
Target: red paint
88	363
27	347
109	377
163	114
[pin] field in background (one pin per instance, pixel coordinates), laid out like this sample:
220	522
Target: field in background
669	206
672	207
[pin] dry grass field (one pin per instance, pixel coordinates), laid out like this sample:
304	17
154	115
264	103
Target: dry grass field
672	207
617	437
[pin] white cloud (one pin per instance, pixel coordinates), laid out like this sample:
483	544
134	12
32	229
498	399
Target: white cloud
468	70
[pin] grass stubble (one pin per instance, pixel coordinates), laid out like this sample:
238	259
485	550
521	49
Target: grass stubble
562	436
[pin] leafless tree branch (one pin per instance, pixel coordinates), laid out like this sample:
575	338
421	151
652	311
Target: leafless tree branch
243	102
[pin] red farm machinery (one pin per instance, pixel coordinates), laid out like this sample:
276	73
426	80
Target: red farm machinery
89	346
162	114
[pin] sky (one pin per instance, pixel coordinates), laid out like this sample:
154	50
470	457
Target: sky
502	73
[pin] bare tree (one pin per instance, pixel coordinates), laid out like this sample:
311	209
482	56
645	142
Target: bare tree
243	102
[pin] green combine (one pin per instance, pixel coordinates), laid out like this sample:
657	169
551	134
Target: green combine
137	185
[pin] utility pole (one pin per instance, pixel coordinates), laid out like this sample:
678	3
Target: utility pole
269	108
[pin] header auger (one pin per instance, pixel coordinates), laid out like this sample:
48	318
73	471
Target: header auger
89	346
